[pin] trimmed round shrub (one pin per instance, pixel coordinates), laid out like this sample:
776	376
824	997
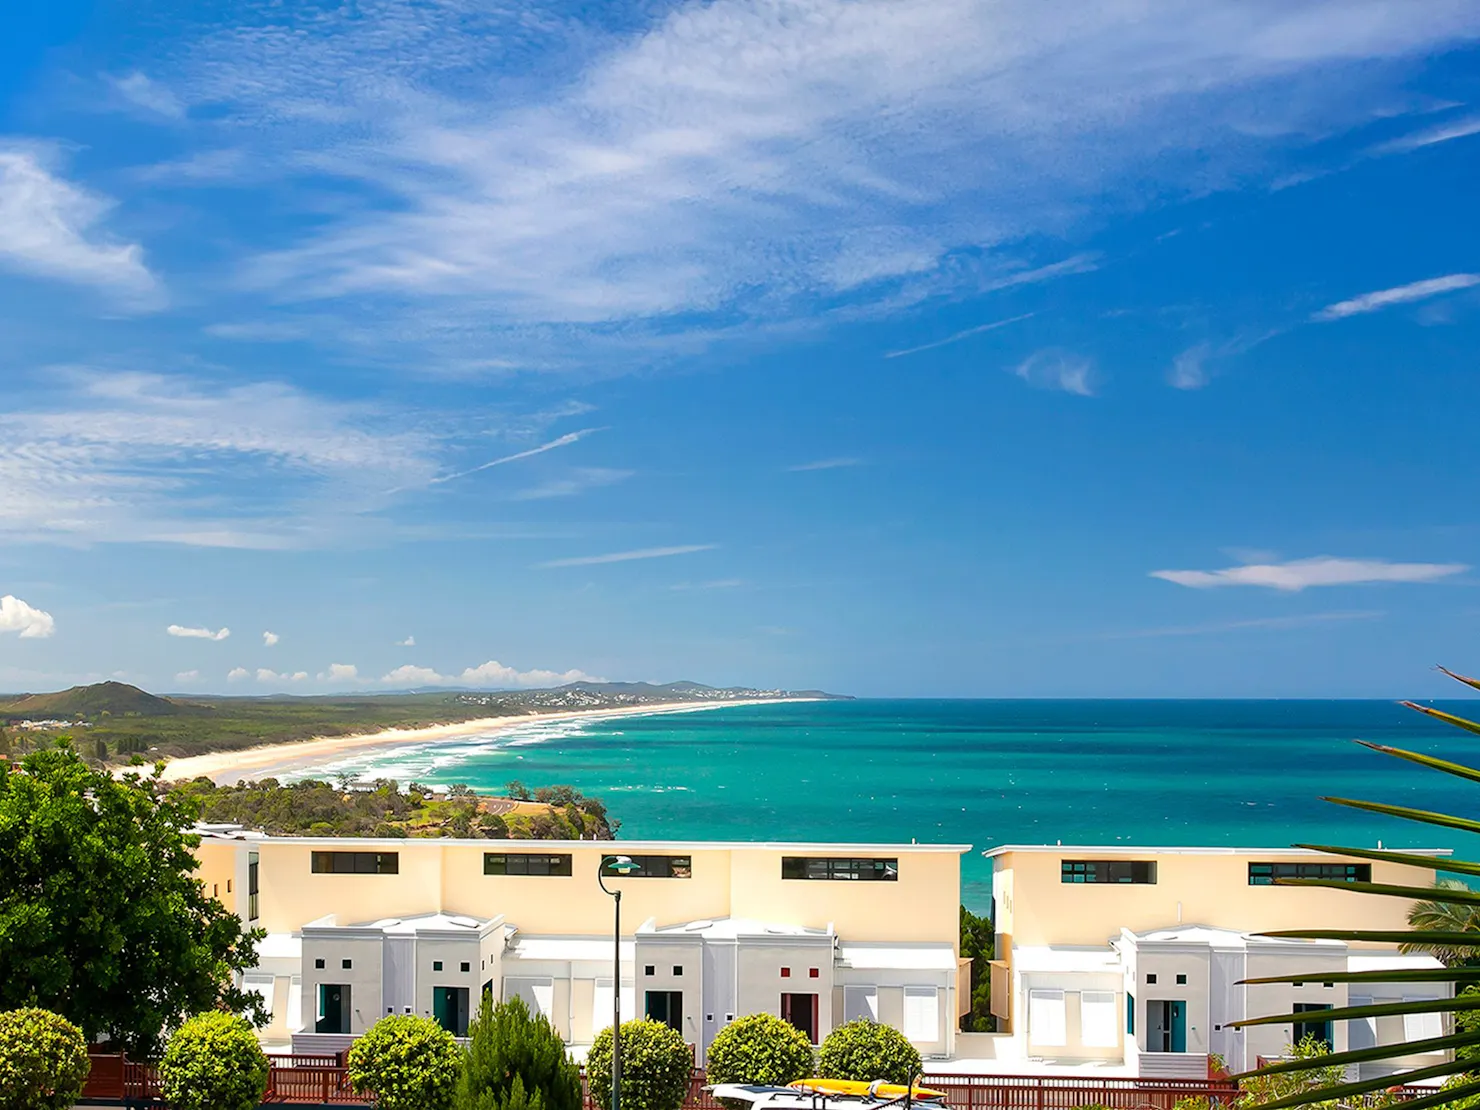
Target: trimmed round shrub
761	1049
866	1050
657	1067
213	1062
43	1060
407	1062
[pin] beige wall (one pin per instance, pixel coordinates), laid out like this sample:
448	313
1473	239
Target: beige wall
1036	908
218	872
740	881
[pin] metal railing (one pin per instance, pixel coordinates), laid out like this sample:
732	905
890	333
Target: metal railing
323	1081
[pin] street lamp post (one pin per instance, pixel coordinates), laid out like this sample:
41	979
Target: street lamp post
619	865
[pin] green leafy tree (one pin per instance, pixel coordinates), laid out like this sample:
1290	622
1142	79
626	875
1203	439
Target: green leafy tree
516	1061
101	915
407	1063
1447	933
43	1060
657	1067
760	1048
978	940
213	1062
866	1050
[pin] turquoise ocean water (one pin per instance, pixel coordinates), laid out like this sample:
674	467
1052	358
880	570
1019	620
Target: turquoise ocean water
979	772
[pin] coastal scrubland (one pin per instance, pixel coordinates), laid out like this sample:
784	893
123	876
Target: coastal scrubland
312	807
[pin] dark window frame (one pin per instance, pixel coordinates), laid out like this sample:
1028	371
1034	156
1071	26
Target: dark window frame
356	863
1264	873
652	867
555	865
254	866
875	869
1108	872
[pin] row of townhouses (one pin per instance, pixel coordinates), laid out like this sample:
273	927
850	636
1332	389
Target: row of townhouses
1110	961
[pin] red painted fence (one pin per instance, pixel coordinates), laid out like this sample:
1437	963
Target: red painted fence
321	1081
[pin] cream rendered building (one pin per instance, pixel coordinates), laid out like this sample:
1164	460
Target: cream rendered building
1128	960
815	933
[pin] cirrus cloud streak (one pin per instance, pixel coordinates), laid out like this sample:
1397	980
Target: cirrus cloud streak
1300	574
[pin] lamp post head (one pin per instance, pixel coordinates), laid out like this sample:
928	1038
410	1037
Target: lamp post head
620	865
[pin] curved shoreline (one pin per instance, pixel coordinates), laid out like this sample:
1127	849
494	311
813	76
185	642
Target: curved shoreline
296	756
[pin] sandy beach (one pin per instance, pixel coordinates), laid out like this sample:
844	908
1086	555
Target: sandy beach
296	756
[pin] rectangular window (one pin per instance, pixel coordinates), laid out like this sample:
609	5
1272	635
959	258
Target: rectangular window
1313	1026
1362	1032
295	1005
922	1014
1264	874
601	1005
526	863
1420	1027
848	869
1097	1019
1046	1024
538	994
1107	871
652	867
860	1002
252	899
356	863
261	986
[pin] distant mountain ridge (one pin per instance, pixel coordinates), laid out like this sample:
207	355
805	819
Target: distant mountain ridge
119	699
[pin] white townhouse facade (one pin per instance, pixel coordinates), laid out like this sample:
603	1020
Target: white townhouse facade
1130	961
813	933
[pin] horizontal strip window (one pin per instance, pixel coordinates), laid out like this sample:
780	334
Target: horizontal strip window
1108	871
651	867
842	868
529	863
356	863
1264	874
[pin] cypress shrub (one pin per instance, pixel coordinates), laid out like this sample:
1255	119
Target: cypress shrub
515	1061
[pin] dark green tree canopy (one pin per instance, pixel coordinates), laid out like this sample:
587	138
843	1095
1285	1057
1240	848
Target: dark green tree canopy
516	1061
101	917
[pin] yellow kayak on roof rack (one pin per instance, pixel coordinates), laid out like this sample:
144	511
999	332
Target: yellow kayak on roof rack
859	1088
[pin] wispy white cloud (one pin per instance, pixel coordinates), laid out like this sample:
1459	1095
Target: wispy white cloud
960	335
25	619
716	584
1304	620
750	159
578	480
1189	369
409	641
143	457
490	674
138	91
1323	570
237	674
1401	294
340	672
561	441
269	639
189	633
1059	370
1442	133
187	676
825	464
629	556
50	227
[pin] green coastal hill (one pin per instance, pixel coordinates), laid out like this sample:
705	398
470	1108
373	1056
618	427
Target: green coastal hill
114	720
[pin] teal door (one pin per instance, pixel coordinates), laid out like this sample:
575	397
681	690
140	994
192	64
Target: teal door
1179	1026
450	1009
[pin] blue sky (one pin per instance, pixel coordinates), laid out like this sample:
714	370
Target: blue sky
917	349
